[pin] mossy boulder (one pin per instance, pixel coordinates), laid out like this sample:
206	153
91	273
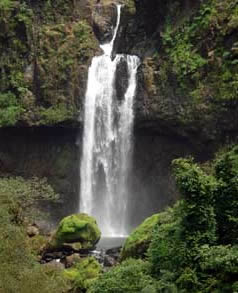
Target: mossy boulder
83	273
80	228
138	242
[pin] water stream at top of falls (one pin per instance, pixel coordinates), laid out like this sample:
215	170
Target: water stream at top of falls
107	141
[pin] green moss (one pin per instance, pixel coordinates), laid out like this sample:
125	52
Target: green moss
83	273
138	242
77	228
130	5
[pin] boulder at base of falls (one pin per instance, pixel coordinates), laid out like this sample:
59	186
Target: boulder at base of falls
139	240
77	228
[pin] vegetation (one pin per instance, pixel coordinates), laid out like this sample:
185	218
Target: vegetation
190	247
42	50
19	270
83	273
197	64
131	277
138	242
18	196
194	244
196	260
10	110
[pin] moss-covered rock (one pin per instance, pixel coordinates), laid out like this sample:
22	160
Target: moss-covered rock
138	242
83	273
77	228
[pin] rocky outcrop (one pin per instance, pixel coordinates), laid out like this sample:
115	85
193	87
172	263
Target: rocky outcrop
104	17
189	56
138	241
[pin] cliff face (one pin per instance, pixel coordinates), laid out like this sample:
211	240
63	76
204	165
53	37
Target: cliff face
44	152
188	80
45	48
186	99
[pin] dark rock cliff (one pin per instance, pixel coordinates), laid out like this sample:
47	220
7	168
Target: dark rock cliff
44	152
186	99
188	78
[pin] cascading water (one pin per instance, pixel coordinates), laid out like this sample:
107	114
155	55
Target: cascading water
107	142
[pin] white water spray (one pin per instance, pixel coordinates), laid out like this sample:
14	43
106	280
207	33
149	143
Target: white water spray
107	142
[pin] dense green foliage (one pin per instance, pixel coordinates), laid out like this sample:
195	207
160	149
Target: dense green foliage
19	270
83	273
10	110
194	244
131	276
188	252
226	169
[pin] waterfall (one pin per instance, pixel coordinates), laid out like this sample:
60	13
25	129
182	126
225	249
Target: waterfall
107	141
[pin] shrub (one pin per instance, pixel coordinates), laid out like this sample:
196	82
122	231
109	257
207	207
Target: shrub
226	170
83	273
19	270
130	276
18	196
10	110
197	189
185	252
166	251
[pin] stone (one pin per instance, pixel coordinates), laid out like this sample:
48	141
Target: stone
32	231
71	260
55	264
77	228
109	261
138	242
104	20
75	246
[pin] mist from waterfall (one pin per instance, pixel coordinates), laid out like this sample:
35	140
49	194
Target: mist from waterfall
107	141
